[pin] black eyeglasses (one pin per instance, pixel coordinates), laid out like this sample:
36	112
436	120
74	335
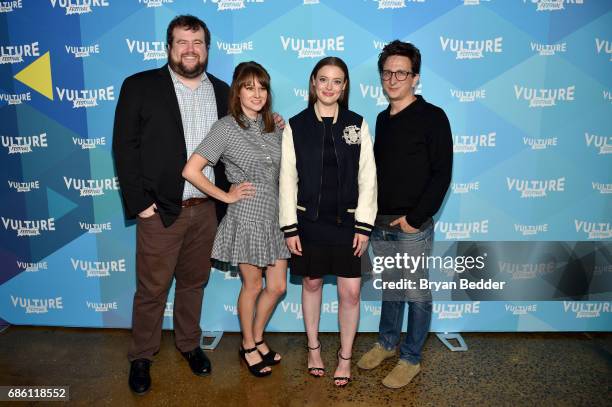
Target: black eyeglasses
399	75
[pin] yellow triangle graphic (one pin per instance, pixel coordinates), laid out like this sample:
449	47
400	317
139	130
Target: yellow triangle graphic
37	76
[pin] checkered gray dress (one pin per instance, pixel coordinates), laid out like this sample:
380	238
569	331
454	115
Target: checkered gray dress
249	232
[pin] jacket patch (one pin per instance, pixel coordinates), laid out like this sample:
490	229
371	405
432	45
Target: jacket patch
352	135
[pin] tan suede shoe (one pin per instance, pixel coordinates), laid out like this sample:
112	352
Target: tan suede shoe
401	375
374	357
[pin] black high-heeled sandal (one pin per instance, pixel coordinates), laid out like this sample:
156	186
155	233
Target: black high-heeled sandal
270	357
345	379
257	367
312	370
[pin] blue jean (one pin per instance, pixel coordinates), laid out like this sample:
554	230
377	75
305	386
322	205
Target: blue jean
390	328
419	311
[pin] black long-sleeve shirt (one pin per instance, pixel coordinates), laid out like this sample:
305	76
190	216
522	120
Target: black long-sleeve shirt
414	160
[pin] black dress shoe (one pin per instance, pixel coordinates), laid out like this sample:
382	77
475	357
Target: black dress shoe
140	379
198	362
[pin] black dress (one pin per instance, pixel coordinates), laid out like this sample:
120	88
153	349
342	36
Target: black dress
327	243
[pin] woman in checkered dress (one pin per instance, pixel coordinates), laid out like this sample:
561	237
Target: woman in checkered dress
249	235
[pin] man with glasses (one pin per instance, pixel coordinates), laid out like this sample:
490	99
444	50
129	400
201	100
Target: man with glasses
414	154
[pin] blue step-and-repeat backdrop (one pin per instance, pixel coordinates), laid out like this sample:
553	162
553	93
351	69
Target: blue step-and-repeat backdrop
527	86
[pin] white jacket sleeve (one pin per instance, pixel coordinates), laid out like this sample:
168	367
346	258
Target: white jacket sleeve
288	185
367	205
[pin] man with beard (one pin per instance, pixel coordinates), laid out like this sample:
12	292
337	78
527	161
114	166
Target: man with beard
161	117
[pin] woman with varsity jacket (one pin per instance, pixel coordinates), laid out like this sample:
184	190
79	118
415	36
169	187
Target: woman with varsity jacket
328	205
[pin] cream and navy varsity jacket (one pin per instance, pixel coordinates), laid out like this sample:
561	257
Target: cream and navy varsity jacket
302	166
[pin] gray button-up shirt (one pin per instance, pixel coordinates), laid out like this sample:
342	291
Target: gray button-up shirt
198	112
249	155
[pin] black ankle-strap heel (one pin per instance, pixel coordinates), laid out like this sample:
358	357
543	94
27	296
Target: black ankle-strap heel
344	379
257	367
313	370
270	357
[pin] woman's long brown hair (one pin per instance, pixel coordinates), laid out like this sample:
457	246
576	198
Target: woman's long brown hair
245	73
333	61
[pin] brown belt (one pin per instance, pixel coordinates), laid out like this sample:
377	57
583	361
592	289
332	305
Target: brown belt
193	202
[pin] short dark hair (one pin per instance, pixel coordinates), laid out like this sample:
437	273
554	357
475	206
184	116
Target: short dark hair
190	22
245	73
405	49
333	61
